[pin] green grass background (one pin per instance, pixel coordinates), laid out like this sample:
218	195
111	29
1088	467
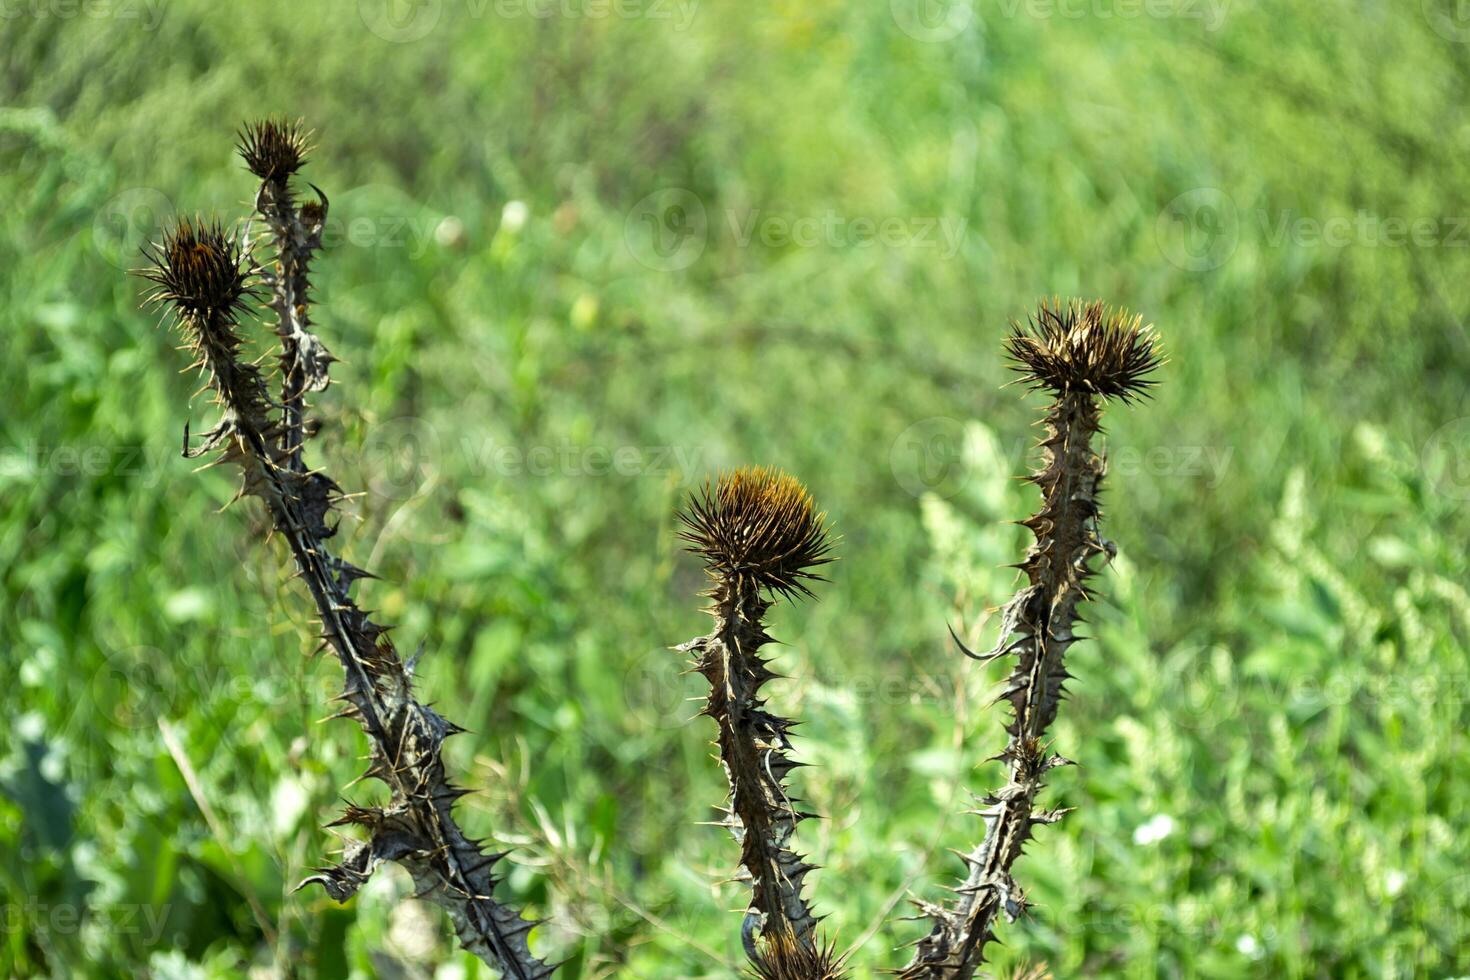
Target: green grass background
1270	721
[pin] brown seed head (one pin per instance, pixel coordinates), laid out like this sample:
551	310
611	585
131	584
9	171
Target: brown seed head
1030	971
273	148
1085	347
758	523
197	269
783	958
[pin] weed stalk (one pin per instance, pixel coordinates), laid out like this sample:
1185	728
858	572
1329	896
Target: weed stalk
203	276
1081	354
760	536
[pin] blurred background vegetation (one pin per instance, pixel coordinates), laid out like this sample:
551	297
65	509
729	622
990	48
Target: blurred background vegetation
583	256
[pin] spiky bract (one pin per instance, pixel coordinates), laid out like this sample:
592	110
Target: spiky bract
200	273
760	524
198	270
1085	347
780	957
274	149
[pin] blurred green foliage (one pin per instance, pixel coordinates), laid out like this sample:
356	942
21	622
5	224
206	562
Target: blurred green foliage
581	261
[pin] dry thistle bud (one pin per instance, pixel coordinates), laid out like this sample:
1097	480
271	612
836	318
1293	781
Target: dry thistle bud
199	272
1082	354
780	957
760	536
1085	347
274	149
760	524
197	268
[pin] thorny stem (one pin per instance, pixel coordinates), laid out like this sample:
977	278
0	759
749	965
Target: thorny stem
275	150
753	745
296	233
199	274
758	532
1074	353
418	829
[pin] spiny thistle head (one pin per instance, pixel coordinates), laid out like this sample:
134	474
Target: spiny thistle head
783	958
1085	347
197	268
274	148
1030	971
758	524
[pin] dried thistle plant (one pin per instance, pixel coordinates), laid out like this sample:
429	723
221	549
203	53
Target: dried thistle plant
760	537
203	277
1082	354
275	150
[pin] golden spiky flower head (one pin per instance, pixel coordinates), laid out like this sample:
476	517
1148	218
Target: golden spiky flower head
783	958
198	270
1086	347
759	524
274	148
